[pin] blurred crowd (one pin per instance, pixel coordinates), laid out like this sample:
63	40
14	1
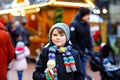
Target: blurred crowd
14	49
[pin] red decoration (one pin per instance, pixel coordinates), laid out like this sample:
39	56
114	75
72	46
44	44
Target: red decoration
96	36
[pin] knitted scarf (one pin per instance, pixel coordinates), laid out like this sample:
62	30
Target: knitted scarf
68	59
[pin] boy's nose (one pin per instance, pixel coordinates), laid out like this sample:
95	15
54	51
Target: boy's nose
58	37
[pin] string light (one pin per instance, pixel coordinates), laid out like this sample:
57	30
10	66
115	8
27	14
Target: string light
90	3
73	4
104	11
51	2
37	9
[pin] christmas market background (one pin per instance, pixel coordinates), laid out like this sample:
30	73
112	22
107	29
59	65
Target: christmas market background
40	15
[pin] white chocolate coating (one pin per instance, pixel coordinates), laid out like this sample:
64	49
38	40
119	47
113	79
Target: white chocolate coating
51	64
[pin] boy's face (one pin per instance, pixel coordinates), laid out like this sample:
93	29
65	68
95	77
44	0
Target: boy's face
58	38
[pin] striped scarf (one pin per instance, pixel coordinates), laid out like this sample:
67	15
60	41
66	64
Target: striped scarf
68	59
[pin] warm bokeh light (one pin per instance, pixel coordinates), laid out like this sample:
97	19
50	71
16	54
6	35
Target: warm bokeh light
15	13
90	3
104	11
96	11
37	9
72	4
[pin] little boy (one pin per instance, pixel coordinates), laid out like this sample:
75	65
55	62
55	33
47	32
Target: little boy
58	60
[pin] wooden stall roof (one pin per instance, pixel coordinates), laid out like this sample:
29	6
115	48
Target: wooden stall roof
62	3
80	1
73	3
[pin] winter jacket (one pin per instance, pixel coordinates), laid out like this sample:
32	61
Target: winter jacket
25	35
41	65
12	33
80	34
20	63
6	51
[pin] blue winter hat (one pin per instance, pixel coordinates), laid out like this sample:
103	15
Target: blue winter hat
62	26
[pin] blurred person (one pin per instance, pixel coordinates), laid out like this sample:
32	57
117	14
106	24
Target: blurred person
3	21
6	52
12	32
25	34
81	36
21	31
20	63
58	60
14	36
16	31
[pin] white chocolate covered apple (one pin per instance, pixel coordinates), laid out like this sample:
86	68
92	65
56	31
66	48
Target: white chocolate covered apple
51	64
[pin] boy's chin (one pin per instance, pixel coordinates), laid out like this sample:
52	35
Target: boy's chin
59	45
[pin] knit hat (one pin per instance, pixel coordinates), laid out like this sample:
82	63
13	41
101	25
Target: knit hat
20	44
62	26
84	11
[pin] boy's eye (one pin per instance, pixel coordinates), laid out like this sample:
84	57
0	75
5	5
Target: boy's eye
54	34
62	35
58	35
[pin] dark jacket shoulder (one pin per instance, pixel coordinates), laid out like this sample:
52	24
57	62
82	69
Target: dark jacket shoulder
74	52
44	51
